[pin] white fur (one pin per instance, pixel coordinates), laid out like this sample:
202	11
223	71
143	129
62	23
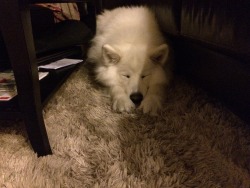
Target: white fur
130	53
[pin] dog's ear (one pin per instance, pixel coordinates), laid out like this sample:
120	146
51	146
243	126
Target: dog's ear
110	55
159	55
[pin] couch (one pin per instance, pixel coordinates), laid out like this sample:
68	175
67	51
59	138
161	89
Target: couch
211	41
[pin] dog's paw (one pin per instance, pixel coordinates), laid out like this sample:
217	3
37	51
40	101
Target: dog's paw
123	104
151	104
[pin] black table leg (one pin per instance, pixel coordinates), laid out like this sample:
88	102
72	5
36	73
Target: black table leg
17	33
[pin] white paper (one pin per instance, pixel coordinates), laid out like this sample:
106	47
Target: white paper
61	63
42	75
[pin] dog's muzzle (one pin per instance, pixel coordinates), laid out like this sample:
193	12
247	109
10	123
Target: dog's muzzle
136	98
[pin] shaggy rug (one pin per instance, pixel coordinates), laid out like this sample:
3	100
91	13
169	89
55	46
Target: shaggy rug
195	142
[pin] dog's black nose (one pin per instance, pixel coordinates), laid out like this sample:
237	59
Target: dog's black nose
136	98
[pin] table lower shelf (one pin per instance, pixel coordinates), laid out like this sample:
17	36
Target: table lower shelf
9	110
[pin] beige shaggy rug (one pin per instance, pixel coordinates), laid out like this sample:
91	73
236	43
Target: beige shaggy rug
195	142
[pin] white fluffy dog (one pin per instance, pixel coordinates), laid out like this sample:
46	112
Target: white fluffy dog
131	58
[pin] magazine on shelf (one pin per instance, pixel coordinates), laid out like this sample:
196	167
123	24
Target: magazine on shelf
8	85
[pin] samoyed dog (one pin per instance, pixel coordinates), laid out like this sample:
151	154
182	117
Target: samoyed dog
131	58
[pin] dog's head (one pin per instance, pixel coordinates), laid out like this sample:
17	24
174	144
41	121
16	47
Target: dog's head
135	68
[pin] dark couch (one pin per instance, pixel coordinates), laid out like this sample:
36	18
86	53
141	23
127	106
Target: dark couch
211	40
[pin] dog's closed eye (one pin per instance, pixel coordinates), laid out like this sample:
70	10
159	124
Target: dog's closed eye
127	76
144	76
